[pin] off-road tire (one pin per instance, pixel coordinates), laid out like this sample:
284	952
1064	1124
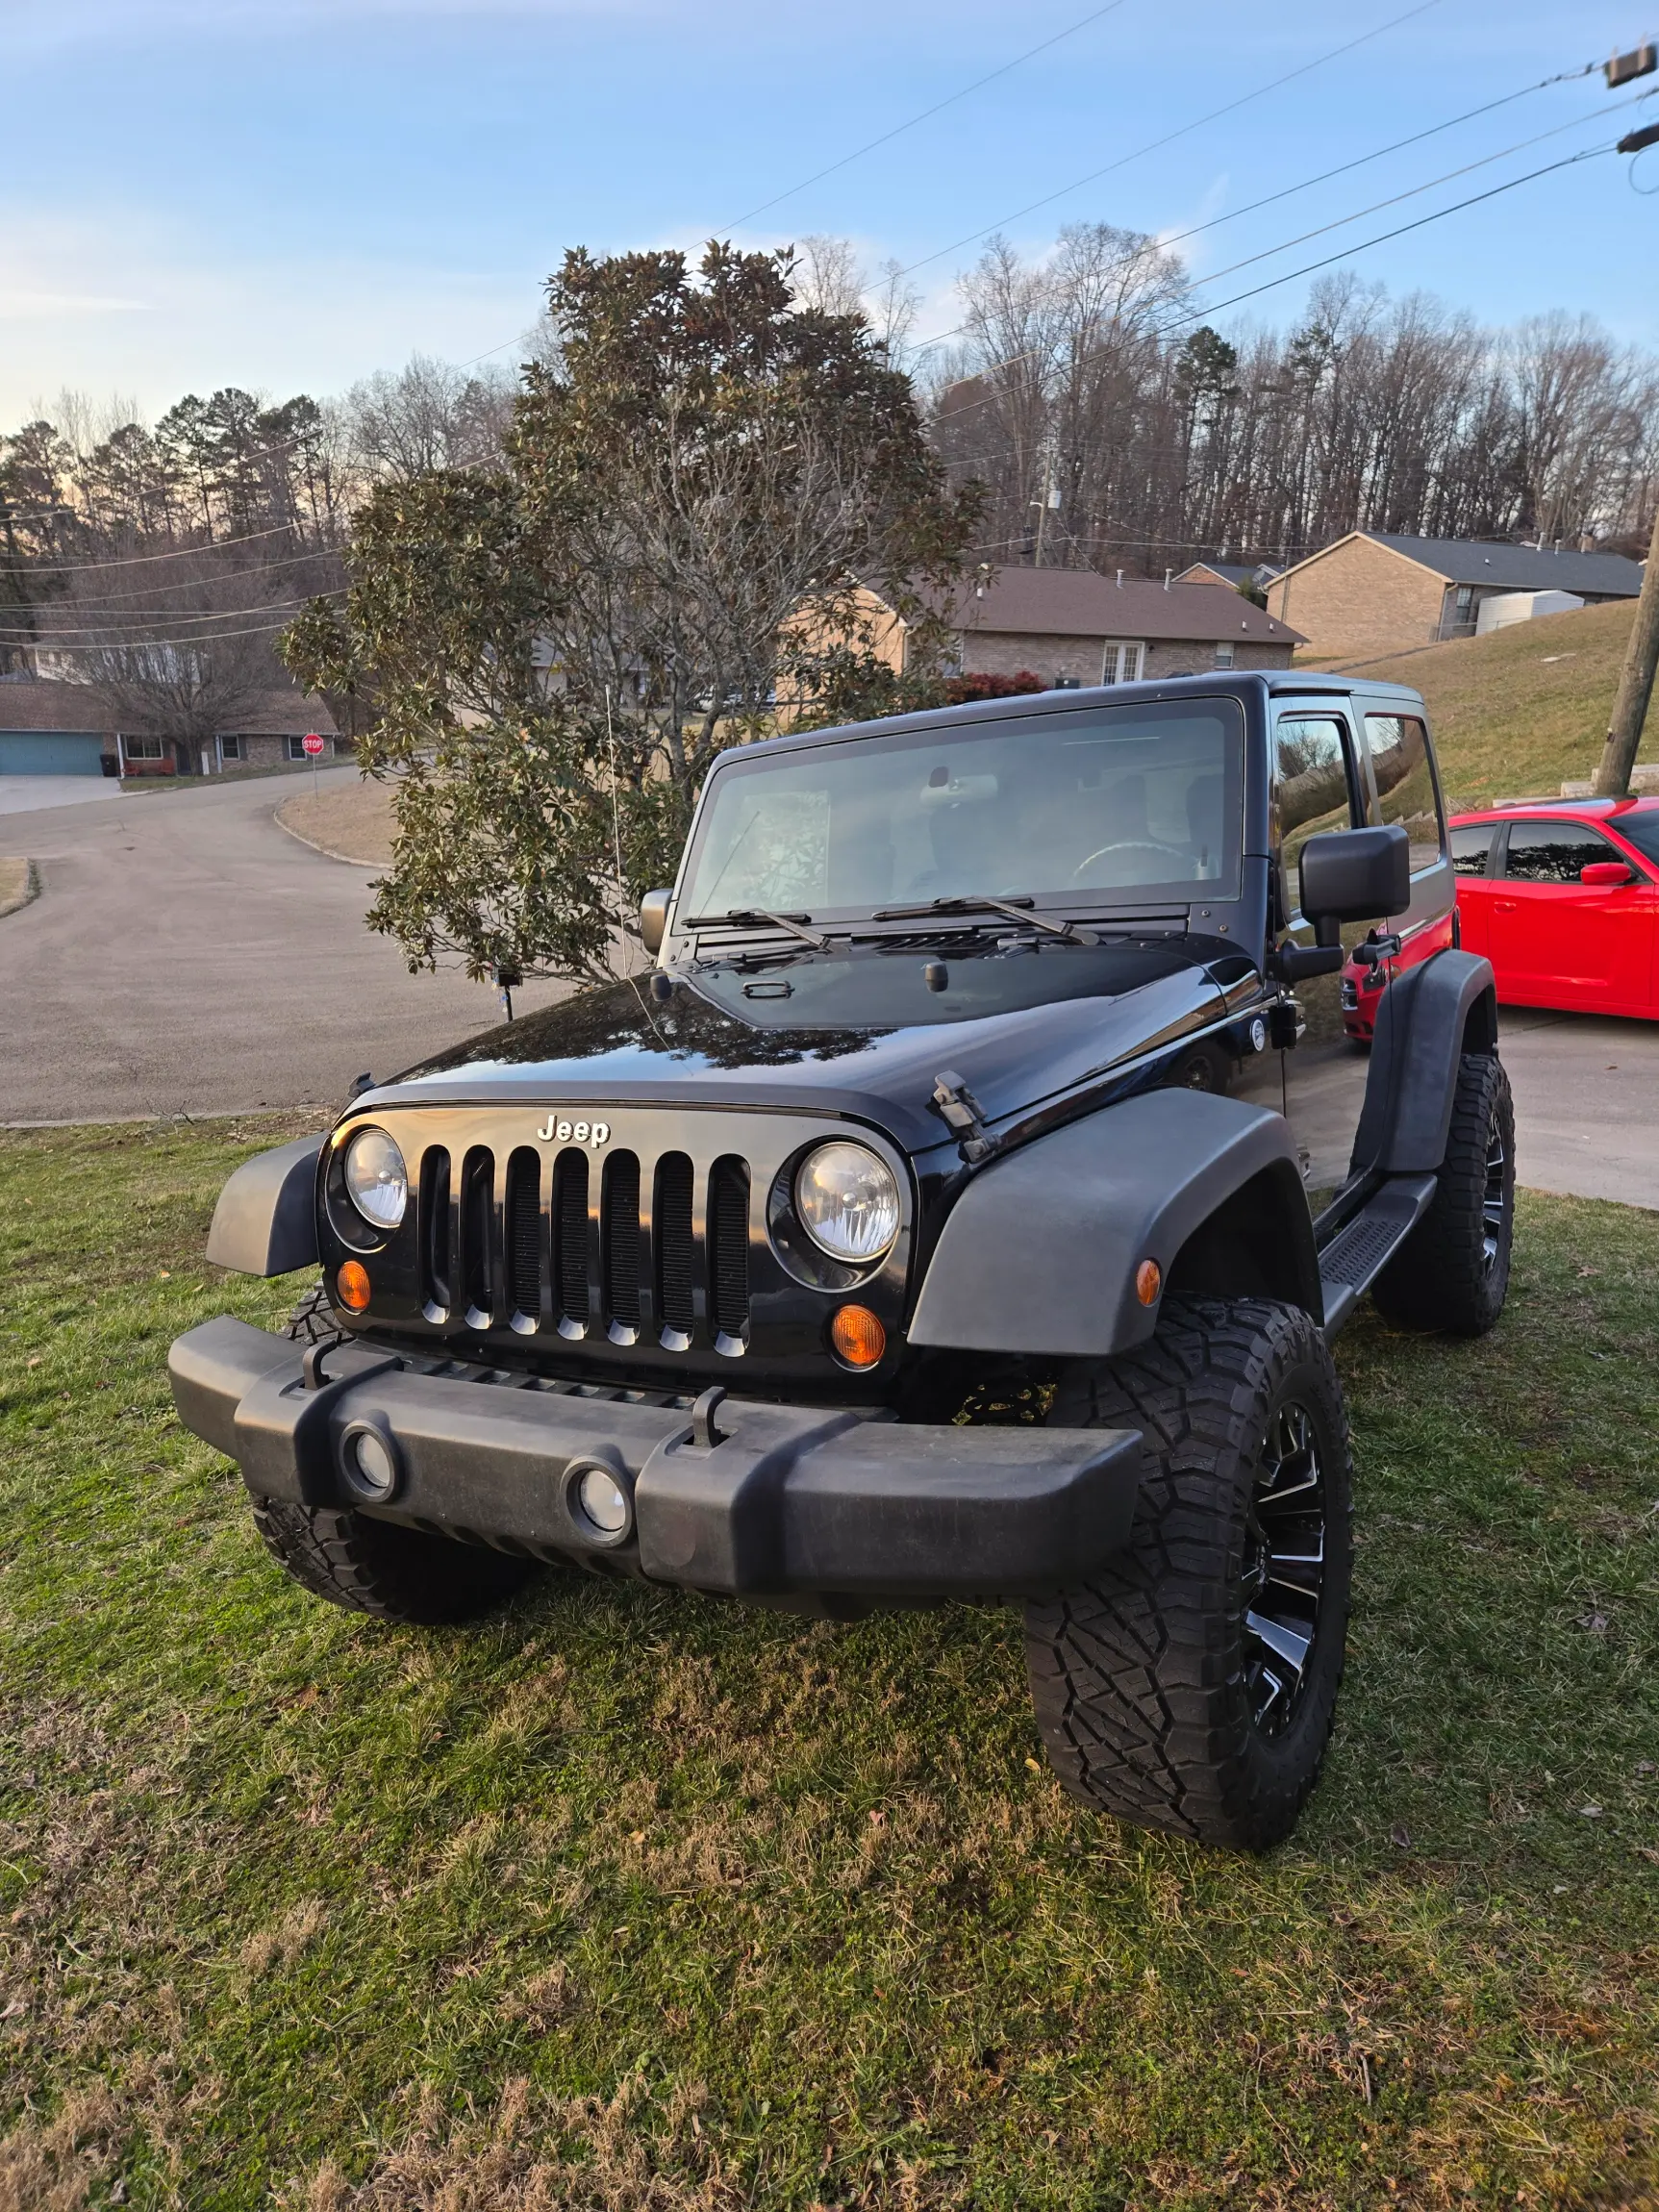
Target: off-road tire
313	1321
377	1567
1142	1680
1452	1271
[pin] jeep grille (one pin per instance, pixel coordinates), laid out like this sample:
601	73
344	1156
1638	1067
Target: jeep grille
576	1252
654	1246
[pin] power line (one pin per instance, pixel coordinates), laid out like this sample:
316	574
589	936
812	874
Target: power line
1178	323
46	635
147	590
138	645
1185	130
1398	145
1215	307
141	559
938	107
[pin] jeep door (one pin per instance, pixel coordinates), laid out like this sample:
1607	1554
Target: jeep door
1319	785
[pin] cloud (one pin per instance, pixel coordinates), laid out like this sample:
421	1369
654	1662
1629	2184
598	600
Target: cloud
21	305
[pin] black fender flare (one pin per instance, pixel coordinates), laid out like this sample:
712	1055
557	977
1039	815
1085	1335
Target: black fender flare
265	1220
1039	1255
1426	1019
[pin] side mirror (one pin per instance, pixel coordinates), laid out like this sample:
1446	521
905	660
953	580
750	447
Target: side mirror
1354	875
654	919
1605	875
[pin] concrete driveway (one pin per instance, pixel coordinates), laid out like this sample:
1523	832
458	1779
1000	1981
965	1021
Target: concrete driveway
1586	1104
32	795
186	956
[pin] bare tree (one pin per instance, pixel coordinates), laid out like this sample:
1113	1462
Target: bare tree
428	415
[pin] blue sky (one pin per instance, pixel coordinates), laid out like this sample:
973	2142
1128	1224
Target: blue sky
287	195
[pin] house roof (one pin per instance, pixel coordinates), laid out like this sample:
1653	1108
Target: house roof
36	703
1511	568
1234	572
57	703
1078	602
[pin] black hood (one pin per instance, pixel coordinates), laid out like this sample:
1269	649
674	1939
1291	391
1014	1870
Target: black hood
854	1031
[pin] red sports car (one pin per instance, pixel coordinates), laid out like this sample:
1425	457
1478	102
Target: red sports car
1562	897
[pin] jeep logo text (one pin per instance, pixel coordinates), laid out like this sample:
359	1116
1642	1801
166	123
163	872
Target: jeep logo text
592	1134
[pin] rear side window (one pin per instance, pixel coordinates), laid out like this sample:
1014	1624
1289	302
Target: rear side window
1405	782
1311	783
1471	848
1553	852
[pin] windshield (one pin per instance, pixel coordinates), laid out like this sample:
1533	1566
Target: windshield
1108	805
1637	827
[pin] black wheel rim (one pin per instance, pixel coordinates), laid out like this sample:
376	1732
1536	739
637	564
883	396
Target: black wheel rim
1495	1200
1284	1569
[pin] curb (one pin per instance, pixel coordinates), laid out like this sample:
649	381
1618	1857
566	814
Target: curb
347	858
30	890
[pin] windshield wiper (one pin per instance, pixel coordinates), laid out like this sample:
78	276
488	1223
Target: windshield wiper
791	923
1017	909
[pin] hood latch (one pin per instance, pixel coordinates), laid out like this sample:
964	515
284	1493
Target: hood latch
963	1115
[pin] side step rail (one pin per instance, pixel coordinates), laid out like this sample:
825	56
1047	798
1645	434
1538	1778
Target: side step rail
1352	1261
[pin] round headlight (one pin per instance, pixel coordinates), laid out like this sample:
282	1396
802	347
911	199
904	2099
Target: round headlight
848	1202
376	1179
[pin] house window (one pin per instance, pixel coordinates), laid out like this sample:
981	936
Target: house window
1121	663
1223	656
142	748
293	748
231	749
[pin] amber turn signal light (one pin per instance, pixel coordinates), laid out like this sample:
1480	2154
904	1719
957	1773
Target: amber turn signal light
858	1336
1148	1282
352	1286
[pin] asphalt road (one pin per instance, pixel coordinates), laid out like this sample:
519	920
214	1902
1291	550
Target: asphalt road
186	956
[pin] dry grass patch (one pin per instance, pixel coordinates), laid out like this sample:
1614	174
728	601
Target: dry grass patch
19	883
350	821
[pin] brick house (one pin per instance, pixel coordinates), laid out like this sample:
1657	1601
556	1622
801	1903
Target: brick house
1072	626
52	727
1373	593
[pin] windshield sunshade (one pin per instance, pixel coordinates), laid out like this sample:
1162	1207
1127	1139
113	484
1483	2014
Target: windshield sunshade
1108	806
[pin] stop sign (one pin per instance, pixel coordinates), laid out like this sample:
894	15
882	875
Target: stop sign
313	744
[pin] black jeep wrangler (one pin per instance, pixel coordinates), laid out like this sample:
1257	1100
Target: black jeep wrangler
987	1131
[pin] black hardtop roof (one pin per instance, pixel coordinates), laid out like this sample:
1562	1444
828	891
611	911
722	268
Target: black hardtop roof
1234	683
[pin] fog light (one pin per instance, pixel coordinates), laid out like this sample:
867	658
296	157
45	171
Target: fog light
598	1501
858	1336
369	1461
1258	1034
352	1286
1148	1282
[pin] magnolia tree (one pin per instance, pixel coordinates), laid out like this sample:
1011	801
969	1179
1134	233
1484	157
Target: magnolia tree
698	478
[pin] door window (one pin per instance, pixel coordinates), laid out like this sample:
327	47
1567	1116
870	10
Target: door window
1471	848
1312	782
1406	794
1553	852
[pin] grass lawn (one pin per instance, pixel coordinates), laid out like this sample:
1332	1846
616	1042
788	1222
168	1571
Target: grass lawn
1519	713
628	1901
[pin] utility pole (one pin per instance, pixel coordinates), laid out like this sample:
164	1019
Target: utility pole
1635	686
1051	498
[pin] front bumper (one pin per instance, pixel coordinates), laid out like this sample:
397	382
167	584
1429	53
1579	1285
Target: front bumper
785	1500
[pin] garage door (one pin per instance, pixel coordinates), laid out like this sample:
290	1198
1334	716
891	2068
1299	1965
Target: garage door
50	753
